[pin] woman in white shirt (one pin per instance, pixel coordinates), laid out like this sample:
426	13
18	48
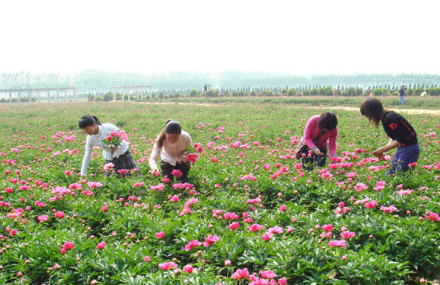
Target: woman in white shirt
119	156
172	144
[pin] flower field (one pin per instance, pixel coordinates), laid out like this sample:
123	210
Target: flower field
248	215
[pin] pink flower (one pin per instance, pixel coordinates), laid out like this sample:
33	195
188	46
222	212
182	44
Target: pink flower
344	258
147	259
227	262
109	166
167	265
43	218
234	226
283	208
59	215
174	198
192	244
101	245
105	208
255	227
192	157
210	240
388	209
13	232
282	281
268	274
240	274
176	173
267	236
139	184
188	268
109	138
158	187
328	228
337	243
160	235
371	204
432	216
348	235
68	245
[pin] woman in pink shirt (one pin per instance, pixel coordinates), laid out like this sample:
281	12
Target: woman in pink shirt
319	130
172	144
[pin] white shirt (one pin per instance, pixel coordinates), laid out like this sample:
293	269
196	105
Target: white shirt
171	152
96	140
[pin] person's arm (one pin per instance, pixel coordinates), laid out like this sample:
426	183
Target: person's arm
380	152
308	133
188	144
153	159
87	155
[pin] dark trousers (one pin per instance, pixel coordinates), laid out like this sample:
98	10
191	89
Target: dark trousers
168	168
309	162
403	157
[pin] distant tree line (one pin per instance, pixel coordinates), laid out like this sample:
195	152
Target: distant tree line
276	91
101	82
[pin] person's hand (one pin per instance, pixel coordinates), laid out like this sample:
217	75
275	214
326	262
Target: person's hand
379	154
154	171
113	149
318	152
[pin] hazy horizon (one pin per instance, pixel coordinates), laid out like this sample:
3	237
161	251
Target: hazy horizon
287	37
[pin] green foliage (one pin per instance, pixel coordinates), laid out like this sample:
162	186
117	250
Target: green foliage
245	134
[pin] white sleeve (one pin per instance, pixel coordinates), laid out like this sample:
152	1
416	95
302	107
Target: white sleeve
154	156
87	155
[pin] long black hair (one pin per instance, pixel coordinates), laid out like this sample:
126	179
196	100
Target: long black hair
88	120
373	109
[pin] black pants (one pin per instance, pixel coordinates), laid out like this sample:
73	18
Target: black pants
168	168
309	163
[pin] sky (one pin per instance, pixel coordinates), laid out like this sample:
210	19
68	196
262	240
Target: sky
285	36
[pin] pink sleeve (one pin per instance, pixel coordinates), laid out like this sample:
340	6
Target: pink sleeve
308	132
332	143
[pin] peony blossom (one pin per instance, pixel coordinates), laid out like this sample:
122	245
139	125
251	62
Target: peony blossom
337	243
268	274
240	274
176	173
188	268
210	240
101	245
255	227
348	235
167	265
234	225
160	235
59	215
158	187
192	244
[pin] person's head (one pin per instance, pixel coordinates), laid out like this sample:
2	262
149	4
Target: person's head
373	110
327	121
171	132
89	124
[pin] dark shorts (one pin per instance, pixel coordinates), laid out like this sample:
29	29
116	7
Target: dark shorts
168	168
124	161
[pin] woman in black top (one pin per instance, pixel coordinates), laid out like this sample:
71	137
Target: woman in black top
402	135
